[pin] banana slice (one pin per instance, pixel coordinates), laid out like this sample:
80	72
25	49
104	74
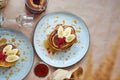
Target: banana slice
60	32
12	58
70	38
12	52
7	48
67	32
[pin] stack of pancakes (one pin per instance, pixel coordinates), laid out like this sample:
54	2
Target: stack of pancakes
54	42
4	63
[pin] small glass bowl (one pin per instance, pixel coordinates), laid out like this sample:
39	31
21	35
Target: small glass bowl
41	70
33	10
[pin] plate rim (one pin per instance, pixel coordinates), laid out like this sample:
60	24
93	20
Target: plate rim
62	12
19	32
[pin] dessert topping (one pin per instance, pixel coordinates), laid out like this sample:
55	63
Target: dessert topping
65	34
10	53
60	32
2	56
12	58
61	41
7	48
70	38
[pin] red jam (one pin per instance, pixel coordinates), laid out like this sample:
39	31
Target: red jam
2	56
61	41
41	70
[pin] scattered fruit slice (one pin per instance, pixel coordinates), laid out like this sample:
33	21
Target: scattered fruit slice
67	32
60	32
12	58
12	52
7	48
70	38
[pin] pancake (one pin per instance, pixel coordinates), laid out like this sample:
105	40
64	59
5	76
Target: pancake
60	43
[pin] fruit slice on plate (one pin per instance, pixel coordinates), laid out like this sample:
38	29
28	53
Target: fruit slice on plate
70	38
7	48
67	32
12	52
9	51
12	58
60	32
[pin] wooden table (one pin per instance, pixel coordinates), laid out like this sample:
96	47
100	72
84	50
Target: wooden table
101	16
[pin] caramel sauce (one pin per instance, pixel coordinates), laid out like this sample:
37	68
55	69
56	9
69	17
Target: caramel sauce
48	47
2	47
3	41
22	60
75	21
13	39
63	21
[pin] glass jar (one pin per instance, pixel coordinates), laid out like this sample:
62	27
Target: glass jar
36	6
3	3
22	20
